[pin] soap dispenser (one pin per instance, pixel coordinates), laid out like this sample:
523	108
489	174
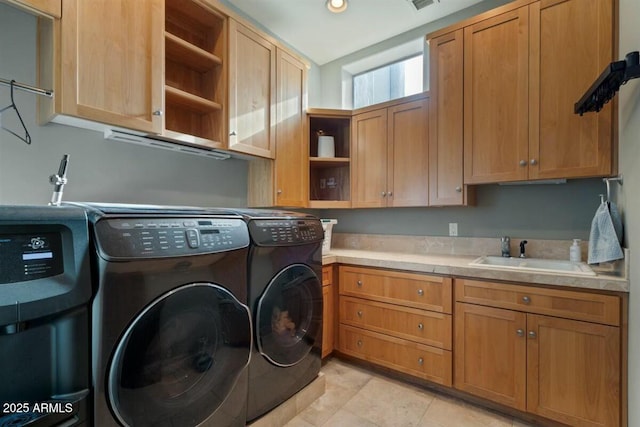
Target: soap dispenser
575	254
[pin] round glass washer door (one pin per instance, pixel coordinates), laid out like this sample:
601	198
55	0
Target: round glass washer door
289	315
180	357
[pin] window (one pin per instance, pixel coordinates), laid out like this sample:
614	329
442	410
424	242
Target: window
391	81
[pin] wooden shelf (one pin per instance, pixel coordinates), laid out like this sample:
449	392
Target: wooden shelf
190	101
329	162
189	54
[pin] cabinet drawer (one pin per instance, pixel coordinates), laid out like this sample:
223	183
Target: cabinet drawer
567	304
407	289
425	327
422	361
326	275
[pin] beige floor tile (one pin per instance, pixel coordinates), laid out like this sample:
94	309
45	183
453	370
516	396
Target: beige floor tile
345	375
328	404
344	418
298	422
387	403
447	412
518	423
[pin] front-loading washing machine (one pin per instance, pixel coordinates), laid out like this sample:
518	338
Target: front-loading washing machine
171	331
285	296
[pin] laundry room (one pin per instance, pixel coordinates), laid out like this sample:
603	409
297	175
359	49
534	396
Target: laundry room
172	167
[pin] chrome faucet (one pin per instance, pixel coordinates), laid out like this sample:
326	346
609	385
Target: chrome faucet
506	246
522	243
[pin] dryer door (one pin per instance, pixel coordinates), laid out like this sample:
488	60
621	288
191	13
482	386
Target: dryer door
180	357
289	315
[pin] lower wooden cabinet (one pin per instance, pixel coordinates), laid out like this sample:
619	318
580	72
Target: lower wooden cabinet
328	313
398	320
562	369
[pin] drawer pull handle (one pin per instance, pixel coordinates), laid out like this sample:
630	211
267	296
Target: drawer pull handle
532	334
526	300
520	332
420	326
420	361
359	313
359	343
359	283
420	292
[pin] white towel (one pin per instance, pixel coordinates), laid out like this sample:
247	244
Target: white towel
606	234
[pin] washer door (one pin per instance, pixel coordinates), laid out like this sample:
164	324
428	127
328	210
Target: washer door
180	357
289	315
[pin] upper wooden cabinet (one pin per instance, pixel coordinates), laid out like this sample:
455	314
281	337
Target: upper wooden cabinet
50	8
525	65
284	181
572	41
111	56
252	92
496	104
391	155
445	120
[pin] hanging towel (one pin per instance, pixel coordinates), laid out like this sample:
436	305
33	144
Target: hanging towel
604	243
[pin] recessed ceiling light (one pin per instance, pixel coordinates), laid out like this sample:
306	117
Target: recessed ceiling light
337	6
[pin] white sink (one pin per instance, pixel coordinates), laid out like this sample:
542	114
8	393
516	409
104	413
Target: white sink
534	264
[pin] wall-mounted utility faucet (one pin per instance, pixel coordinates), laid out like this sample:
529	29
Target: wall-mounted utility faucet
506	246
522	243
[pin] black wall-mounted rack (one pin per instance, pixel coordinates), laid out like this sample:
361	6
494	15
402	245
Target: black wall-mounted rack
605	87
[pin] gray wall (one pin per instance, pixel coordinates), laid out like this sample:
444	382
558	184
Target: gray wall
556	211
100	170
629	193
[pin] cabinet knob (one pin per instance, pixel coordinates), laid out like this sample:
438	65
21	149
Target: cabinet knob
279	191
390	194
420	292
359	283
420	326
384	194
359	343
533	162
420	361
520	333
523	163
532	334
157	113
359	313
459	189
526	300
232	133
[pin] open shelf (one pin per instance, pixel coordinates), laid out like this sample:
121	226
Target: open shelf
195	78
330	177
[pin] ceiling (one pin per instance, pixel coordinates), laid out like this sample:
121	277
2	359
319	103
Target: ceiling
322	36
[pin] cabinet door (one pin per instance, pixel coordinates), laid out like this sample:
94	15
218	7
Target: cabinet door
446	120
571	43
112	62
252	92
369	159
408	154
573	371
292	158
490	354
51	8
496	103
327	319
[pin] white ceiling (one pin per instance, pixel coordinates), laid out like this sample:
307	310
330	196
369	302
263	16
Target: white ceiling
322	36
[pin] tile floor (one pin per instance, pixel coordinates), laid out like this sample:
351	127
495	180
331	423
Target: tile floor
358	398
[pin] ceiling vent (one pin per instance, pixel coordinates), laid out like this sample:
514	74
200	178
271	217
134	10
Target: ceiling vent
421	4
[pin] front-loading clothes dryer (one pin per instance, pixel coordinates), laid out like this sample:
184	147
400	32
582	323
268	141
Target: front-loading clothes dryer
285	296
171	331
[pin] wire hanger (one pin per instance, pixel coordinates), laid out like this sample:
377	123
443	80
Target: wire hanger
26	138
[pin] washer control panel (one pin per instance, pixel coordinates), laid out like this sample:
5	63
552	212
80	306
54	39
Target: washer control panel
285	232
164	237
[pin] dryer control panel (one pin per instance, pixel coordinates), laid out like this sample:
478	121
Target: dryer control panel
285	232
169	237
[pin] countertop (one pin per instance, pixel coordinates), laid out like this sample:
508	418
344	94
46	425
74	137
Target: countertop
458	265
